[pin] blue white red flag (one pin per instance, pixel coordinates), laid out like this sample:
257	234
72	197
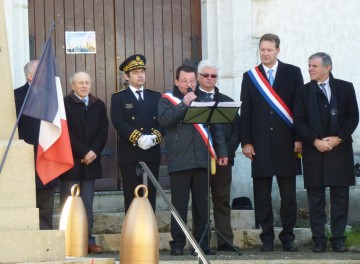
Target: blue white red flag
45	102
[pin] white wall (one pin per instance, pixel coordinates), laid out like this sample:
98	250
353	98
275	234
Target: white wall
16	13
231	31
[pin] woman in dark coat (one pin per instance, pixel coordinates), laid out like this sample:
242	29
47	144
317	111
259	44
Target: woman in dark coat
88	128
325	116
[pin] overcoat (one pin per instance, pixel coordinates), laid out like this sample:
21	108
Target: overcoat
88	130
272	139
336	167
128	119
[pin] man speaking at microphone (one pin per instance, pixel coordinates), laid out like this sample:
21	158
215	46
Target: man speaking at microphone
187	155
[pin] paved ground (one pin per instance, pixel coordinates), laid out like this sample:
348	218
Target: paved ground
304	253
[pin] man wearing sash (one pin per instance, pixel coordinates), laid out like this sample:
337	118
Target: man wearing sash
325	115
268	139
187	149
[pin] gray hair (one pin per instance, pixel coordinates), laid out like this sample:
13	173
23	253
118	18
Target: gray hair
74	75
325	58
30	68
208	63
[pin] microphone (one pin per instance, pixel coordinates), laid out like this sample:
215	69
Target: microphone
189	90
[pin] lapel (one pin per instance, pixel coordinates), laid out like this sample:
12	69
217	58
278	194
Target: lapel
134	101
280	75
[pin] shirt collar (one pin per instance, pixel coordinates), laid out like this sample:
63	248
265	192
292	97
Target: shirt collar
274	68
211	92
81	98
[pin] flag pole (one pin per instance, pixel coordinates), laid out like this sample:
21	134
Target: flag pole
27	94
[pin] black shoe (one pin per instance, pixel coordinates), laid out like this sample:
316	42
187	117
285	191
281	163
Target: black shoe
339	247
176	252
267	247
227	247
290	247
207	251
319	248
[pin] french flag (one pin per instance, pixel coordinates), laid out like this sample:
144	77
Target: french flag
45	102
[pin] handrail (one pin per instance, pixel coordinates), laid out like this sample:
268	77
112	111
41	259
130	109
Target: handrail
142	169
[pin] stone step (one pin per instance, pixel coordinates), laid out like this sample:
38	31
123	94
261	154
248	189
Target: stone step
244	238
111	223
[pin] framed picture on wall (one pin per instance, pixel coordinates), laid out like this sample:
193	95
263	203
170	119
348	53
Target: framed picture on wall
80	42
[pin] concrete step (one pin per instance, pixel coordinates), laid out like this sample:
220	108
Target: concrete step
111	223
243	238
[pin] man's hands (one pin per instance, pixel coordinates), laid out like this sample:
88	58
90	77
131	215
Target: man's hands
189	97
327	143
147	141
223	161
89	157
248	151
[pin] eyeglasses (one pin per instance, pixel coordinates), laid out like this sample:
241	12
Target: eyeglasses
192	81
206	75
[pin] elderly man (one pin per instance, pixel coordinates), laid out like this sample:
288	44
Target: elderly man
88	128
325	115
187	153
221	181
28	129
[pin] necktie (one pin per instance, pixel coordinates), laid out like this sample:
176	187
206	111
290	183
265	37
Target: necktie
323	89
271	77
141	101
208	97
85	101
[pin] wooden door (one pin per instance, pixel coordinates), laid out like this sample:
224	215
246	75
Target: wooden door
167	32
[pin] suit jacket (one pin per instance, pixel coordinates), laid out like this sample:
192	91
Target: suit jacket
130	121
272	139
336	167
231	131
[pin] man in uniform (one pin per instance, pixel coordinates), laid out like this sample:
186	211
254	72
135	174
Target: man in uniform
134	115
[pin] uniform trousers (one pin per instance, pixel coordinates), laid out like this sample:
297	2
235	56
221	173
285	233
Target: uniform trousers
182	182
45	203
220	192
339	208
263	208
87	189
130	180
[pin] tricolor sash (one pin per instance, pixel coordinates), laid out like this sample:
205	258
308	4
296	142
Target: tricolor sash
269	94
203	131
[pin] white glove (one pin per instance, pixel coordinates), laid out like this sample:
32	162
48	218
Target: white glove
141	142
146	141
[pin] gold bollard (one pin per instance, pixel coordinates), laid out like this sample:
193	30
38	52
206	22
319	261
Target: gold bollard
73	221
139	242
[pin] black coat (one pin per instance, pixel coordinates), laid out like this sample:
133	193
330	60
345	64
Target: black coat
336	167
88	130
231	131
272	139
128	118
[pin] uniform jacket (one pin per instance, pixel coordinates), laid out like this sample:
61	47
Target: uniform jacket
231	131
28	129
88	130
272	139
336	167
185	147
129	120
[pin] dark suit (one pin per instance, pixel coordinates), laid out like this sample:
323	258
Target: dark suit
128	119
273	142
334	168
28	129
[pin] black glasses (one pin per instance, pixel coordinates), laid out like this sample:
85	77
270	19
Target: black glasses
206	75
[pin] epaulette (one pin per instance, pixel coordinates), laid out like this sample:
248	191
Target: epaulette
119	91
